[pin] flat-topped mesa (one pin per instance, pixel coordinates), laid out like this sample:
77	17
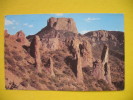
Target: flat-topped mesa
66	24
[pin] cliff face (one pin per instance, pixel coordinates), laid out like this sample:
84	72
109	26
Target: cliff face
58	58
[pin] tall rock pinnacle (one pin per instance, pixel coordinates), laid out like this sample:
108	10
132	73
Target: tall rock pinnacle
104	59
66	24
34	50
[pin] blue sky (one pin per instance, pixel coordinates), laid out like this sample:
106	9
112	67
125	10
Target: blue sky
32	23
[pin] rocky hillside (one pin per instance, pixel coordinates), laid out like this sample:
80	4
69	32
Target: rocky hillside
58	58
115	41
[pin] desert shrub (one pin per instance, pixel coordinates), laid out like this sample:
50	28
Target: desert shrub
24	83
42	81
7	52
14	52
34	84
87	70
41	75
53	79
12	86
18	58
51	87
16	72
11	69
119	85
32	67
57	64
21	68
103	85
10	61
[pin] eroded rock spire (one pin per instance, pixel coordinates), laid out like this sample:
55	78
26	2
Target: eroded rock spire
51	67
35	52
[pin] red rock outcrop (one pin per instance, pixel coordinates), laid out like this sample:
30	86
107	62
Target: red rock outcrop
35	52
20	37
51	67
102	68
75	45
6	34
79	67
67	24
105	64
58	51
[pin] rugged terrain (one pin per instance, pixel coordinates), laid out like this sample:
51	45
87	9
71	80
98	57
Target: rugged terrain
59	58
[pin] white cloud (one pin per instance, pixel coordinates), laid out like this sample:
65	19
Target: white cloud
84	31
26	24
8	22
60	14
30	26
92	19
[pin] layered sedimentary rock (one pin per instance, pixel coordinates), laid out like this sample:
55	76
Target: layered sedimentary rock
67	24
35	52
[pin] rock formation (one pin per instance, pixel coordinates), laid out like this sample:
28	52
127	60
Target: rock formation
76	54
98	72
35	52
68	24
105	63
20	37
79	67
6	34
102	68
51	43
113	38
58	51
51	67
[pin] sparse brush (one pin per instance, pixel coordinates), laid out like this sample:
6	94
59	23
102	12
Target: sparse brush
10	61
18	58
24	83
